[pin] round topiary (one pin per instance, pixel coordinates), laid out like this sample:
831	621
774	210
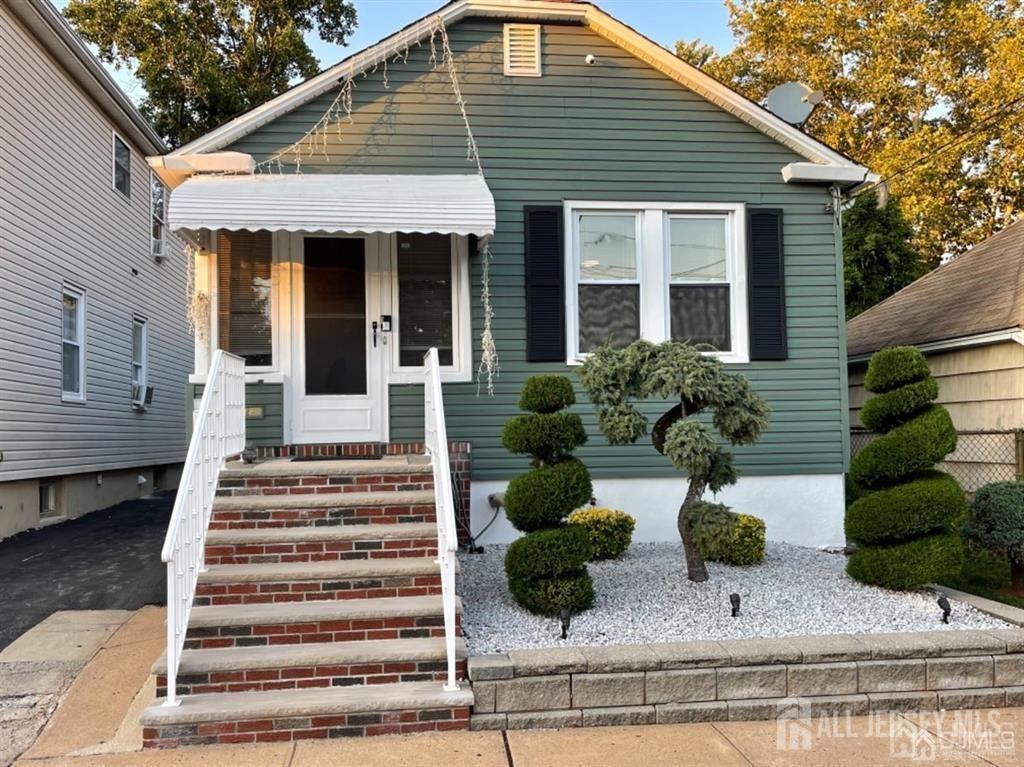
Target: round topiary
908	565
546	394
546	436
932	502
904	516
610	530
549	596
997	524
543	496
725	536
547	553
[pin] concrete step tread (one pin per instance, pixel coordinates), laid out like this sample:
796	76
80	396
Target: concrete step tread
266	572
315	611
267	535
279	704
286	467
312	654
323	500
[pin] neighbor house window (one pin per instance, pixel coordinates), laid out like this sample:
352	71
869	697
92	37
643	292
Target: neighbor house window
656	271
244	311
140	342
425	298
47	499
122	167
73	344
156	206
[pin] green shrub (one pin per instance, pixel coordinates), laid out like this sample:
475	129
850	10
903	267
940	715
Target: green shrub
885	411
546	436
548	553
997	521
906	450
853	491
894	367
908	565
544	495
724	536
932	502
546	394
610	531
549	596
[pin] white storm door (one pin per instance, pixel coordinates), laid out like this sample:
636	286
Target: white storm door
337	383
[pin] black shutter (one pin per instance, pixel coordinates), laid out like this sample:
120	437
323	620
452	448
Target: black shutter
545	287
767	289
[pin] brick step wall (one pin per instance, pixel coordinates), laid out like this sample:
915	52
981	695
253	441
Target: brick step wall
355	630
319	551
317	485
256	519
300	591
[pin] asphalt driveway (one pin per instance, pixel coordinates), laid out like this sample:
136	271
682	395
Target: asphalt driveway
107	560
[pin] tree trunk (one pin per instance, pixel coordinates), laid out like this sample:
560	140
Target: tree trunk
696	571
1017	577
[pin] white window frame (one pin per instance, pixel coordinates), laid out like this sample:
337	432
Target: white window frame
79	295
654	265
143	379
161	251
114	138
460	371
510	71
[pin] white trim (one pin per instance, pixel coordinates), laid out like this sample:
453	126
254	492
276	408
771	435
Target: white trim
114	138
140	404
981	339
543	10
813	173
533	30
79	294
653	257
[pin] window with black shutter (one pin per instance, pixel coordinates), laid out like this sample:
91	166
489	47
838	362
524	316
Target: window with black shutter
545	289
767	289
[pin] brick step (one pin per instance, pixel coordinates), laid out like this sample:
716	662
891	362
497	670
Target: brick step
331	664
311	544
282	715
301	581
287	477
265	511
349	620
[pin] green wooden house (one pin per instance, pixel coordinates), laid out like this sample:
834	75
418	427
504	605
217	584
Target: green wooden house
607	190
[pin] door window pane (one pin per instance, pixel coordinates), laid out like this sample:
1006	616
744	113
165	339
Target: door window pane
698	252
244	318
424	298
335	294
700	315
607	246
608	314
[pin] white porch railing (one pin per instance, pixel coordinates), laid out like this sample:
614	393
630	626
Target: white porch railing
436	441
218	432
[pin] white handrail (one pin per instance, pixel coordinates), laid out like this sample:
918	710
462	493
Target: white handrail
218	432
436	442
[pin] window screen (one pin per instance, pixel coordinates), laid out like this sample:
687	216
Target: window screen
244	317
424	298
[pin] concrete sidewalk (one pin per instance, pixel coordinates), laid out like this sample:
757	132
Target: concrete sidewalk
96	725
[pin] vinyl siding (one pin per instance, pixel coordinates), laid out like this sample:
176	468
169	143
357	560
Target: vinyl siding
62	222
617	130
268	430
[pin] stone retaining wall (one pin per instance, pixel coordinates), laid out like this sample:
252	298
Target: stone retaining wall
747	679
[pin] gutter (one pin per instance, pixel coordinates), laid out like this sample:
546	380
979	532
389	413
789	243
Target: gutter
961	342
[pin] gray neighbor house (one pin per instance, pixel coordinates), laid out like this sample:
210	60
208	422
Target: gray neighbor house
621	194
94	345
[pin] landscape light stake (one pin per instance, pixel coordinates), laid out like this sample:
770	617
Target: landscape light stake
735	600
566	619
946	608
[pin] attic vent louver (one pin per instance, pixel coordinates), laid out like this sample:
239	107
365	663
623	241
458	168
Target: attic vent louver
522	50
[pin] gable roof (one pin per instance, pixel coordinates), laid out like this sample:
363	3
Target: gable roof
565	11
54	33
980	292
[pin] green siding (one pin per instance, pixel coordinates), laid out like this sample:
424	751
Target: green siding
618	130
268	430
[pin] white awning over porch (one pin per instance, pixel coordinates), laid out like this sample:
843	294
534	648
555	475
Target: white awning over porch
335	203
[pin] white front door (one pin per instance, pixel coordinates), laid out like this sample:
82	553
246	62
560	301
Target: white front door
337	383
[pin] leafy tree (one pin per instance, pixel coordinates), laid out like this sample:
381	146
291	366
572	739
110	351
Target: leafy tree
877	254
204	61
614	378
901	79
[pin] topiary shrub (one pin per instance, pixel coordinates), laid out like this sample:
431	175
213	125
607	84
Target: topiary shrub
904	515
546	568
610	530
727	537
997	524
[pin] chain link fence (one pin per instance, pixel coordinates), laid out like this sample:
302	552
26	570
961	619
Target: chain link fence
980	457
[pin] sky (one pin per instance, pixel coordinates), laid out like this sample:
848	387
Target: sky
664	21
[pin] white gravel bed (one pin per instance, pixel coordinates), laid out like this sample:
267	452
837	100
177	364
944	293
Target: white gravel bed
646	597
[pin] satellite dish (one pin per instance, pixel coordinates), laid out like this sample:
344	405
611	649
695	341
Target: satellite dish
793	102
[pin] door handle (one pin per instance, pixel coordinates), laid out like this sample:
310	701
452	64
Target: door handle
374	326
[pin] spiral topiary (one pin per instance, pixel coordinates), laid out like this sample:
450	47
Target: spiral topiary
903	514
546	568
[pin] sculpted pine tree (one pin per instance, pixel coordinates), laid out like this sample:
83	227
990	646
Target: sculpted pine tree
615	378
